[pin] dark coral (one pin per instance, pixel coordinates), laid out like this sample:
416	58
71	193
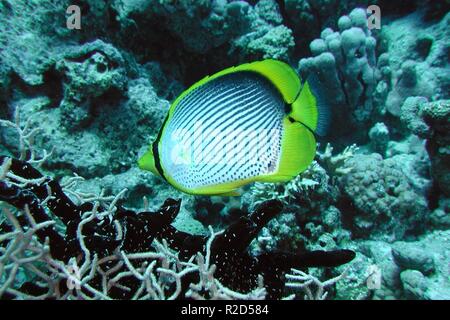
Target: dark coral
236	268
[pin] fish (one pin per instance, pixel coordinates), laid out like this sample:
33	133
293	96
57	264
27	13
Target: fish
255	122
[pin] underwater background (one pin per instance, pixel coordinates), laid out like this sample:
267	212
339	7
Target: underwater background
80	104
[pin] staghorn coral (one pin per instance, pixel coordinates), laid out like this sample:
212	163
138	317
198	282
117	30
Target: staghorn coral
157	278
335	165
301	280
129	235
83	248
25	138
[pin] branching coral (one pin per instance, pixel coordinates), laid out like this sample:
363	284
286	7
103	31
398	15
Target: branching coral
335	164
95	248
300	280
300	187
90	246
310	217
307	185
216	290
160	272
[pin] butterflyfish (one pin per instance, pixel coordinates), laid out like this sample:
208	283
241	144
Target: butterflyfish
253	122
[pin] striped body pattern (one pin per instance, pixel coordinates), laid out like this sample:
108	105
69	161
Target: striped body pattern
252	122
225	130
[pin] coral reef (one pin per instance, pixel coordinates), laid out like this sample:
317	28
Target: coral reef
90	71
311	219
383	200
412	270
129	235
418	60
199	25
352	80
431	121
78	108
379	137
27	37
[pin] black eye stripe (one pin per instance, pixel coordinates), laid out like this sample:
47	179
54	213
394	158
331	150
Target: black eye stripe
155	150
